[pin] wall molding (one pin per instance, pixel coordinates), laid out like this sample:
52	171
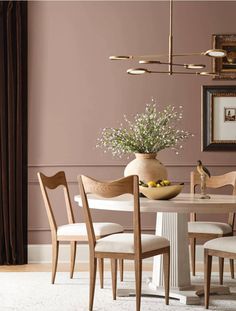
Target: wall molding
76	165
35	181
123	165
127	229
144	229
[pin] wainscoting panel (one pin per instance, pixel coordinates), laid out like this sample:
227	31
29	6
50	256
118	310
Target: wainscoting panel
39	232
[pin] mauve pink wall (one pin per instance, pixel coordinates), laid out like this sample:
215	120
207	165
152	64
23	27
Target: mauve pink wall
75	91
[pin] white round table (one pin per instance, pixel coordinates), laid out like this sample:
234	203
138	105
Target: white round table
171	222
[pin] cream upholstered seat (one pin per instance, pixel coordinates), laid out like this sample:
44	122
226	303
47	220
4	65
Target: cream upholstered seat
224	247
211	230
209	227
133	246
71	232
100	229
224	244
124	243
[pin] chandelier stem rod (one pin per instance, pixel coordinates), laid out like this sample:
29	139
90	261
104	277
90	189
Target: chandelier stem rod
171	40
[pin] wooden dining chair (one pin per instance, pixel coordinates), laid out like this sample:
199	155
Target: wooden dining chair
224	247
71	232
134	246
211	230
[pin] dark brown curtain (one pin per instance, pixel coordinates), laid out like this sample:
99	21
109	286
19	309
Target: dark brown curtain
13	132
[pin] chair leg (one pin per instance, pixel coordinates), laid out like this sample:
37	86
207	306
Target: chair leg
101	270
72	257
221	269
193	255
55	248
114	277
93	269
121	267
138	282
231	261
207	277
166	267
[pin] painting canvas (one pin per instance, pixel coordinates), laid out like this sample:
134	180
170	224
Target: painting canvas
226	66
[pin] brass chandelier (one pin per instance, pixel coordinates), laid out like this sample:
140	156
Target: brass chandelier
155	59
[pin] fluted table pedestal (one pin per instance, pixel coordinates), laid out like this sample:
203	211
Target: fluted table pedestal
174	226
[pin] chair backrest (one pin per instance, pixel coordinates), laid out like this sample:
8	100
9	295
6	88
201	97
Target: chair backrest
52	182
110	189
215	182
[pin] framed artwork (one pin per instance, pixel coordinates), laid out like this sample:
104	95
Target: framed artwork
229	114
226	66
219	118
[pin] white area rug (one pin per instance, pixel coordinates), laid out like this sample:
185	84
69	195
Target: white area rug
28	291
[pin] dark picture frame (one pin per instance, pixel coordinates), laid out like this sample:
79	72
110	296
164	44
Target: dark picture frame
226	66
218	118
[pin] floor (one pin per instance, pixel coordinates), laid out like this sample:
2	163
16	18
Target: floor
33	291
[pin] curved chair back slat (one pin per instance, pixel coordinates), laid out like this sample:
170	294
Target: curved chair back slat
108	189
52	182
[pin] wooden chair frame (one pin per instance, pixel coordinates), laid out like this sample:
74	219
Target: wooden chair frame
52	182
212	182
208	253
112	189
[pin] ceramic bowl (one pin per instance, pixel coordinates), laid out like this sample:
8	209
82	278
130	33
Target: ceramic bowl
161	193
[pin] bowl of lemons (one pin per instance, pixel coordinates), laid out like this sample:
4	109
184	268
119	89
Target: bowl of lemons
160	190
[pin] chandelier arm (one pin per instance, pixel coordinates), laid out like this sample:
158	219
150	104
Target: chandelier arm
152	56
140	71
174	72
173	55
184	72
188	66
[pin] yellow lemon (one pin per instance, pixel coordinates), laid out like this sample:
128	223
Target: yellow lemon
152	184
166	182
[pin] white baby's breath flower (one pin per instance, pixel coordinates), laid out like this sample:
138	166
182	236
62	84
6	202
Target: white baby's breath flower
150	132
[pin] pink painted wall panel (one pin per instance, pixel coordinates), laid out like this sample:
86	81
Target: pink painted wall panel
75	91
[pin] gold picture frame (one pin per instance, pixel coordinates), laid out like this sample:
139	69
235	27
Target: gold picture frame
226	66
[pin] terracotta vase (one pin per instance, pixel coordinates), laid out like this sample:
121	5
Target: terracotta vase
147	167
